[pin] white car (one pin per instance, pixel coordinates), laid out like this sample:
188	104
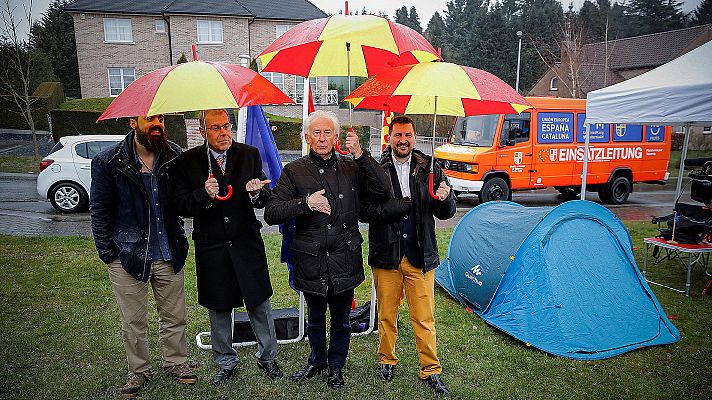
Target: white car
65	174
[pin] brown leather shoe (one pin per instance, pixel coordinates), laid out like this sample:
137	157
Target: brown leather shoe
183	373
134	384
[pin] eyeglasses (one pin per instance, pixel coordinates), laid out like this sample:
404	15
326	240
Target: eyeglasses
218	129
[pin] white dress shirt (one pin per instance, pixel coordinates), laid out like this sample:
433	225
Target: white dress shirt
403	172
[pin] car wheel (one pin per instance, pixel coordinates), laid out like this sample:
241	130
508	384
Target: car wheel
569	192
615	191
67	197
495	189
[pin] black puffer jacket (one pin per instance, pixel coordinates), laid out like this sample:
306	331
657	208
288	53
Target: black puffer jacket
327	248
383	213
120	210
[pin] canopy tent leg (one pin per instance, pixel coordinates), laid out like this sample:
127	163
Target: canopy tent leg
584	173
683	156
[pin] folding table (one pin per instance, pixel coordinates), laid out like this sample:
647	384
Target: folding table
696	254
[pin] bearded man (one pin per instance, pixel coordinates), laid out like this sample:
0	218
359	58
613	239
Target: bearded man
142	240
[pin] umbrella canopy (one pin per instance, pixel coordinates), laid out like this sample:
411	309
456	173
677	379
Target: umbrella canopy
197	85
457	91
318	47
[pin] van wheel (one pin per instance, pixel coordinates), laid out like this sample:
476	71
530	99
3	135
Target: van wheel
68	197
616	191
495	189
569	192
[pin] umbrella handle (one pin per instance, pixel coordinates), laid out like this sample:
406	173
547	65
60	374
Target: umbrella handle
338	148
227	196
431	178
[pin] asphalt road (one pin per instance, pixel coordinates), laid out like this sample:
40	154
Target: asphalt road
24	213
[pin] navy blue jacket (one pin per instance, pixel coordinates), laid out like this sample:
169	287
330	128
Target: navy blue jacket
120	210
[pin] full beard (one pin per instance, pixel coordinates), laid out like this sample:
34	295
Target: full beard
153	143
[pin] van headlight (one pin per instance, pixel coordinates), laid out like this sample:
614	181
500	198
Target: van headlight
472	168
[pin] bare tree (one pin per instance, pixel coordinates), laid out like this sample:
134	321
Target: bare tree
17	71
565	57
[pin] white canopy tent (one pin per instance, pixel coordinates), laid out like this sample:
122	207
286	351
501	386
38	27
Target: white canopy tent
676	93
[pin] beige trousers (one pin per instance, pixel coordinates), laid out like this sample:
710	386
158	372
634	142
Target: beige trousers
132	299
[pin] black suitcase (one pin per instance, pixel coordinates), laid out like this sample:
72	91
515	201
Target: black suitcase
286	325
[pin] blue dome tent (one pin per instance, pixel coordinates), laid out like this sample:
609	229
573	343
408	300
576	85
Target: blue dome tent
561	279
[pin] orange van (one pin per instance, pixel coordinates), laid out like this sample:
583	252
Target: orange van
493	155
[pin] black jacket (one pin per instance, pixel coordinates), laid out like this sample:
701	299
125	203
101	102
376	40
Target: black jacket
383	213
327	248
230	260
120	210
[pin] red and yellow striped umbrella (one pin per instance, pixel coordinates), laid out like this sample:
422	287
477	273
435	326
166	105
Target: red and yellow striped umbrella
192	86
318	47
438	88
457	91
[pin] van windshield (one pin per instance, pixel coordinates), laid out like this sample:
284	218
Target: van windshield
477	130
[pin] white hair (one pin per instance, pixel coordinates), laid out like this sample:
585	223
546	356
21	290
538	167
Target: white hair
321	114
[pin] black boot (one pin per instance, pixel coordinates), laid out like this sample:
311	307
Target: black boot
436	383
386	372
271	369
307	373
222	376
336	378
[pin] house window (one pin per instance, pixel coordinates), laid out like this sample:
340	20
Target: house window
210	31
707	130
119	78
118	30
160	26
281	30
299	88
276	78
554	85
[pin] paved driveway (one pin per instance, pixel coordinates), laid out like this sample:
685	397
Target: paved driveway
24	213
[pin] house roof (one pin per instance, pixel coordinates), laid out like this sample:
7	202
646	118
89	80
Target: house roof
296	10
634	53
647	51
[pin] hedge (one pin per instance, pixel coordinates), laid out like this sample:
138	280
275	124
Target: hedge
288	135
47	96
77	122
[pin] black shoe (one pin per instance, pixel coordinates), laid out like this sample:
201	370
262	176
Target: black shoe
222	376
307	373
436	383
336	378
386	371
271	369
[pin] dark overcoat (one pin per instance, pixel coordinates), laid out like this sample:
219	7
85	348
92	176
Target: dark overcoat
326	248
231	265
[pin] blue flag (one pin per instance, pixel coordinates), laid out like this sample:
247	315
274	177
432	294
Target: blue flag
259	135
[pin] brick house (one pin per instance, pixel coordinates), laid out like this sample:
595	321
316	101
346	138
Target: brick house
627	58
120	40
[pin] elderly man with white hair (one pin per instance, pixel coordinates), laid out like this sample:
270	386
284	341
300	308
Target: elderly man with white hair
320	191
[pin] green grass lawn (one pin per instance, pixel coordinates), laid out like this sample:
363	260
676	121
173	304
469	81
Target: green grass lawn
61	339
19	164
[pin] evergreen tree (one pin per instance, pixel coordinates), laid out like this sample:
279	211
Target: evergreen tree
53	34
652	16
182	59
435	32
702	14
401	16
415	20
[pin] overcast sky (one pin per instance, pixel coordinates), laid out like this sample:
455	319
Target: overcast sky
426	8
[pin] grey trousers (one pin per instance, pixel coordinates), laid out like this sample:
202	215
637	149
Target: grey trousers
221	335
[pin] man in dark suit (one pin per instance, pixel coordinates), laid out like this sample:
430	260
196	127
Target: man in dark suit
231	265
